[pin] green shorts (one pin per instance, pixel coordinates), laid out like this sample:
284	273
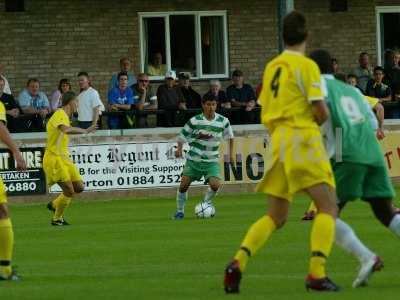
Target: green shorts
196	170
358	181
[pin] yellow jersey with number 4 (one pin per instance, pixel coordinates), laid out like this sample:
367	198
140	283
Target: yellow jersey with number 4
291	82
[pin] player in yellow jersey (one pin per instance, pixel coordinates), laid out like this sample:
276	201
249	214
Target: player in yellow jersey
6	231
57	165
293	107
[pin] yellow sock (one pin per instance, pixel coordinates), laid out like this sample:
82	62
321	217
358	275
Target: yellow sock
255	238
312	207
322	237
60	204
6	246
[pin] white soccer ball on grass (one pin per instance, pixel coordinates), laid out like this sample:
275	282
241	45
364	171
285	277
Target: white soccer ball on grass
204	210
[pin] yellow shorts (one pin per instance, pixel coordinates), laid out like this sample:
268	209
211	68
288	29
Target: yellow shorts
295	161
59	169
3	195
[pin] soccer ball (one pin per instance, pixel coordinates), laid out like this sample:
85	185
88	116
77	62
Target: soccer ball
204	210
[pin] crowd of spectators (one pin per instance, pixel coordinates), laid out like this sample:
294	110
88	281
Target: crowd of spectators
130	100
382	82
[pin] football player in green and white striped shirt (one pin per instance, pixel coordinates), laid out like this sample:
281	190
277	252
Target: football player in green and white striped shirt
204	134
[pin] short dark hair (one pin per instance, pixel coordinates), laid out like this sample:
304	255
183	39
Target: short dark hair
323	59
362	54
294	28
184	76
208	97
351	75
63	81
334	60
122	59
32	80
142	74
83	73
67	98
121	74
237	73
379	68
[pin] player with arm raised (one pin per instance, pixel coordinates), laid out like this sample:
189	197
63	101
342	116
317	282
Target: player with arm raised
57	165
204	133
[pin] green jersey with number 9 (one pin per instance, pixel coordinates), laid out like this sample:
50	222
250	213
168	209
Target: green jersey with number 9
349	133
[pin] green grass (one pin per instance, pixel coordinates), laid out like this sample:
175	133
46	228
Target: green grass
131	249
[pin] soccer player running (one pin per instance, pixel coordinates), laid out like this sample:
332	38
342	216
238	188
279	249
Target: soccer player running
57	165
380	116
293	107
358	164
204	133
6	231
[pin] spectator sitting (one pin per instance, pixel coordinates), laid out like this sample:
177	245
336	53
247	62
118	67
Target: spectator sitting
396	59
394	112
125	66
55	100
376	88
335	65
145	98
242	95
391	70
121	98
336	71
156	68
170	99
363	71
89	103
35	105
192	98
218	94
11	106
352	80
7	88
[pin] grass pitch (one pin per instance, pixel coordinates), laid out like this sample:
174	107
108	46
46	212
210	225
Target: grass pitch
132	249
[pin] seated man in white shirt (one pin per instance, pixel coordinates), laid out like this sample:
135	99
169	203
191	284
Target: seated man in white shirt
89	103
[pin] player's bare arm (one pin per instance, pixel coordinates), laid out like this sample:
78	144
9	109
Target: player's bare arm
380	116
231	153
77	130
178	151
6	139
320	111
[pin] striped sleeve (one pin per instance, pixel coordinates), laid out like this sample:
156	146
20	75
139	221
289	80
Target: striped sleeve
186	132
228	132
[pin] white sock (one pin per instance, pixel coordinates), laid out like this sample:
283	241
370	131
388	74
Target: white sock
347	240
210	194
180	201
394	225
